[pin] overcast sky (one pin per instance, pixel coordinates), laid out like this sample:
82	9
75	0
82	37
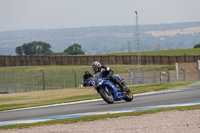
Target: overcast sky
53	14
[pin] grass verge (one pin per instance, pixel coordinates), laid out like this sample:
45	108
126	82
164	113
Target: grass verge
98	117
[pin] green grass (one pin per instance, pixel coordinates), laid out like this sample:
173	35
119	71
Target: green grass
157	86
39	98
117	68
174	52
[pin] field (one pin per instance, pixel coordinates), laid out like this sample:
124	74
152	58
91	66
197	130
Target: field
175	52
117	68
171	33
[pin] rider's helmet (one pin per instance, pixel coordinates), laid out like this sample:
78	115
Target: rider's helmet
96	66
87	72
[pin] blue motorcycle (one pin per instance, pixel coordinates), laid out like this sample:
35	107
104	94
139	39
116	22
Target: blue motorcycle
109	91
89	82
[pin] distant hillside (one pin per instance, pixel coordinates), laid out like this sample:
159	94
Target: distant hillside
108	39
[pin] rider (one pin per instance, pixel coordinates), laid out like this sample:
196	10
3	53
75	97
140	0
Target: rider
86	76
107	72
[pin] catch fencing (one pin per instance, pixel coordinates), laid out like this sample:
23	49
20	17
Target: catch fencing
37	80
160	76
26	81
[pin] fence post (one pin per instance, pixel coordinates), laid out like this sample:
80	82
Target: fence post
75	77
24	82
160	77
15	81
6	80
33	79
198	71
183	73
154	73
43	79
63	77
133	75
177	74
142	75
53	79
130	76
168	78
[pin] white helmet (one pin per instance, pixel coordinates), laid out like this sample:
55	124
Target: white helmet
96	66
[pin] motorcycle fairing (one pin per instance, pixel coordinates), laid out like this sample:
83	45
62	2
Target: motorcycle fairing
117	95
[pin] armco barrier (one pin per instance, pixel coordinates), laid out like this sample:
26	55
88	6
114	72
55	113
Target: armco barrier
88	60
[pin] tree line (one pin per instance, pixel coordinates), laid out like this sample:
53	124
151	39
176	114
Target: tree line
197	46
43	48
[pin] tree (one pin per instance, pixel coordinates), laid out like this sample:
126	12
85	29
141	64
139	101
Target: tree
18	50
34	48
29	49
197	46
43	48
74	49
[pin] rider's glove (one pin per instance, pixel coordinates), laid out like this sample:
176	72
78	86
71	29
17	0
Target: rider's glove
110	74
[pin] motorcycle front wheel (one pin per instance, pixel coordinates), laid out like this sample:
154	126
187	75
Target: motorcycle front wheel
129	95
107	97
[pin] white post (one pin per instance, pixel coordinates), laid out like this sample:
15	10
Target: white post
198	64
177	70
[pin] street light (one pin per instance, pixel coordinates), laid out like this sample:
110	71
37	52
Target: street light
137	42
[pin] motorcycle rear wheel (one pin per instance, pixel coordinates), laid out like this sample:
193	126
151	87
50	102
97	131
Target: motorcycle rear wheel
106	97
129	95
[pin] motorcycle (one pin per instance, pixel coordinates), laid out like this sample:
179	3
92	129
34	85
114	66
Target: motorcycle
109	91
89	82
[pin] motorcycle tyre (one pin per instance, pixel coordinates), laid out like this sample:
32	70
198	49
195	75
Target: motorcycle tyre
103	94
129	95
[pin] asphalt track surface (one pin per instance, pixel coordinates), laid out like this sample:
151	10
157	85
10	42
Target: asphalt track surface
175	96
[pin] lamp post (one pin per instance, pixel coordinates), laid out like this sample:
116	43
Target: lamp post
137	42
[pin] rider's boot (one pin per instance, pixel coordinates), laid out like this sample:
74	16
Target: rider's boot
121	86
123	90
119	83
